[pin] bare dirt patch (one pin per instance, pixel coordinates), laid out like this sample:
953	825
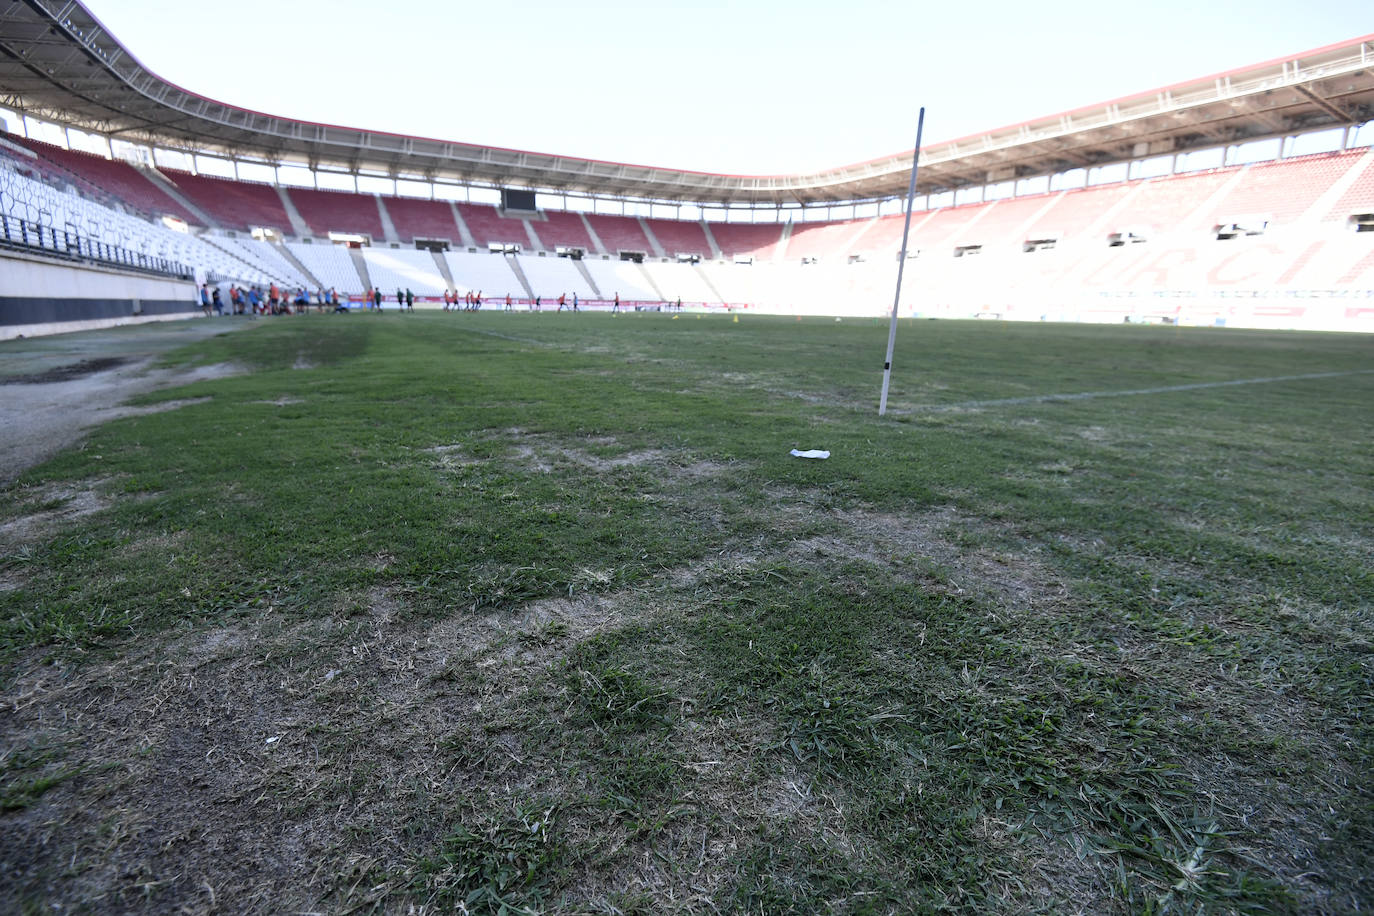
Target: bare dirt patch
42	419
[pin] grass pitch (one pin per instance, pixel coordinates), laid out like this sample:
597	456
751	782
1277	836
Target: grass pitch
517	613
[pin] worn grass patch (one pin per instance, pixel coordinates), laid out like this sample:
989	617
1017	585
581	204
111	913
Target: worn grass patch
511	613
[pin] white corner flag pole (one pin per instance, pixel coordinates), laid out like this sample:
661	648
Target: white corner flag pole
901	264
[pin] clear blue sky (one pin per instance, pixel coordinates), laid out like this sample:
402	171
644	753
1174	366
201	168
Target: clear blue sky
742	87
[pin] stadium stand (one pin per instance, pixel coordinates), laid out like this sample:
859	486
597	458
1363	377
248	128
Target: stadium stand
110	177
488	226
1359	197
1176	202
415	218
490	274
624	277
1005	224
38	203
408	268
757	240
1075	214
825	241
620	233
237	205
332	265
552	277
681	281
1283	191
680	237
563	230
264	256
338	211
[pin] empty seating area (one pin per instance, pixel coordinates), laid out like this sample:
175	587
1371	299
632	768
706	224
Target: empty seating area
681	281
332	265
264	256
38	203
421	219
1006	221
563	230
406	268
624	277
237	205
111	176
1283	191
489	274
552	277
338	211
1172	203
487	225
681	237
1359	197
1076	213
620	233
824	241
756	240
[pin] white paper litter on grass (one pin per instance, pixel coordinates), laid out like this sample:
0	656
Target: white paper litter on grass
810	453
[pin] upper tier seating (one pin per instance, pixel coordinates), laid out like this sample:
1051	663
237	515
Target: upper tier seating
422	219
824	241
1172	203
757	240
552	277
235	204
407	268
1074	213
563	230
332	265
681	237
487	225
111	176
620	233
1359	197
1284	190
1006	221
338	211
489	274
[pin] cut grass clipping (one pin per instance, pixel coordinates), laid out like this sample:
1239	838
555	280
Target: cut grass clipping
517	614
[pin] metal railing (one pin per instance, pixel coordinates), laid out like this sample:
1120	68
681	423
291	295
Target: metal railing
24	235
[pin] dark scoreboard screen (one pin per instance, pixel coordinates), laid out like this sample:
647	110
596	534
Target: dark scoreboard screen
517	200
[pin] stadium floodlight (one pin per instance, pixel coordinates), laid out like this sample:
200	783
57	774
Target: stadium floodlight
901	262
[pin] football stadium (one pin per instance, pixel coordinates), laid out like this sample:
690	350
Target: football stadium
407	525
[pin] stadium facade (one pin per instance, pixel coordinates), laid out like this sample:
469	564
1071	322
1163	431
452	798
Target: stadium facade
1240	198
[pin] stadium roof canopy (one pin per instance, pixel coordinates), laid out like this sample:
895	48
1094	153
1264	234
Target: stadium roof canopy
58	62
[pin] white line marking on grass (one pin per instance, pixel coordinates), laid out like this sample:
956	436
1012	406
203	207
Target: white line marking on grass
1087	395
528	340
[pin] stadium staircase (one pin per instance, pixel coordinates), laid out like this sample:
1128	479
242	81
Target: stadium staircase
514	263
587	275
388	227
591	234
653	239
296	262
706	278
535	243
780	252
464	233
361	265
649	279
441	262
711	240
160	181
298	224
